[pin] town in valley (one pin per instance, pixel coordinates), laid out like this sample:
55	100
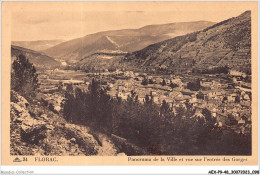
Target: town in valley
182	88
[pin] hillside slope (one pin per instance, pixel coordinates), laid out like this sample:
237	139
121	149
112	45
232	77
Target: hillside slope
40	60
225	43
100	61
127	40
35	130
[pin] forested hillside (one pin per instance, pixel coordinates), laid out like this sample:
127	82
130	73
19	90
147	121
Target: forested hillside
227	43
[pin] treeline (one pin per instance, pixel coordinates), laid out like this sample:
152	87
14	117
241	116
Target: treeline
214	70
91	108
147	81
154	128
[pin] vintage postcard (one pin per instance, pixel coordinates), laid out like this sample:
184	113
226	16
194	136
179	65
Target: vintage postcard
129	83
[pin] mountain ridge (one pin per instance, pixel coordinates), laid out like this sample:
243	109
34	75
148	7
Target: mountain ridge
225	43
37	45
40	60
127	40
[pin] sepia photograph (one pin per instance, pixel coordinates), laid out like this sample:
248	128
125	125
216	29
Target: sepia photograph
130	83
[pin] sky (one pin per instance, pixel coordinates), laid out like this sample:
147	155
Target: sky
66	25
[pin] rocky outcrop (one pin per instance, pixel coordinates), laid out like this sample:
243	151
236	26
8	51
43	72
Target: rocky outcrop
37	131
24	129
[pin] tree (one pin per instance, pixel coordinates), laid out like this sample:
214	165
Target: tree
151	81
24	78
173	85
165	111
145	81
194	86
210	121
231	120
69	88
68	103
200	95
224	100
51	107
60	85
44	102
237	99
163	83
147	100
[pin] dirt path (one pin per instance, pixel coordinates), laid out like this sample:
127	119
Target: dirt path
104	145
107	148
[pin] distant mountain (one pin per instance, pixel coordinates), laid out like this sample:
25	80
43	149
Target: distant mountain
225	43
37	45
127	40
40	60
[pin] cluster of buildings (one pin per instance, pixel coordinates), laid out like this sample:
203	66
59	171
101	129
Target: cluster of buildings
227	99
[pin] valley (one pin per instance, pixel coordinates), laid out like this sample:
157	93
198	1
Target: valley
172	89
